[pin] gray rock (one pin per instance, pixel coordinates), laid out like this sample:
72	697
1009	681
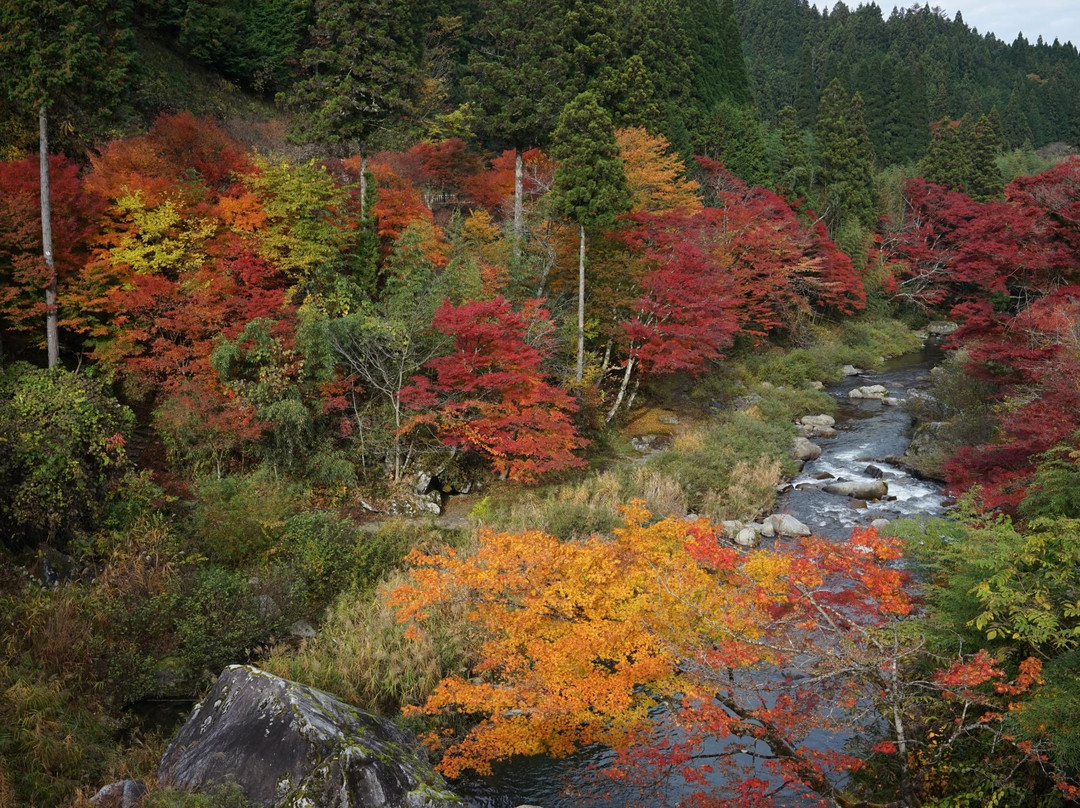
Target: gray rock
288	745
869	391
880	524
804	450
768	529
818	420
816	385
873	471
747	537
124	794
892	401
422	482
817	431
731	527
859	489
942	328
850	370
644	443
787	525
302	628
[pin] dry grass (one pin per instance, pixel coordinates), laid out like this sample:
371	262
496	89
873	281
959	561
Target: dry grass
750	492
361	653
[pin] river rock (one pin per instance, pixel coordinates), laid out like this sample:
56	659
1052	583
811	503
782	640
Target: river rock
124	794
805	450
816	385
878	391
288	745
787	525
858	489
817	431
768	530
857	504
747	537
873	471
941	328
817	420
731	527
880	524
850	370
892	401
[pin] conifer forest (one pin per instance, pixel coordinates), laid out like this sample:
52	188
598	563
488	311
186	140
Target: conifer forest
505	403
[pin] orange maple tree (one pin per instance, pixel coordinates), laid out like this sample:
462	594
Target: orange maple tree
589	642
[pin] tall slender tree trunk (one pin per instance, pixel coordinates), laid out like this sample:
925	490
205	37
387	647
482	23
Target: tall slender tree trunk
52	335
519	204
581	309
363	187
622	387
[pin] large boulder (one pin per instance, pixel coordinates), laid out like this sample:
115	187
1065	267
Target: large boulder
784	524
804	450
858	489
288	745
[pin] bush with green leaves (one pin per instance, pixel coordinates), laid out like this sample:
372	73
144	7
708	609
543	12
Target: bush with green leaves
1013	590
61	449
225	795
238	519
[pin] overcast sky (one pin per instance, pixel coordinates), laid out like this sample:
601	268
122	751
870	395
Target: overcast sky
1052	19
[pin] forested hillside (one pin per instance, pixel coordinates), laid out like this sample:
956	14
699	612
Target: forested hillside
450	356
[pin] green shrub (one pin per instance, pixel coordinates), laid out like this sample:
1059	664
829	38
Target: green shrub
238	519
61	448
381	552
222	618
319	550
228	795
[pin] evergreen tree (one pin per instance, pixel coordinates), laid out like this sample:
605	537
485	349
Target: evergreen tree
963	157
736	83
363	67
846	158
734	137
590	183
796	173
68	59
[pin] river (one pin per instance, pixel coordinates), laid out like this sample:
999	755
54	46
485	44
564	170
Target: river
868	432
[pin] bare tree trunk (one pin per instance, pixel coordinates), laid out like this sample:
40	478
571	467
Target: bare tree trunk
622	387
52	335
519	204
363	187
581	310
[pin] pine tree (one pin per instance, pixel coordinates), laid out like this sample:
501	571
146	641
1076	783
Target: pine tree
590	183
846	158
65	58
736	83
734	137
796	168
363	67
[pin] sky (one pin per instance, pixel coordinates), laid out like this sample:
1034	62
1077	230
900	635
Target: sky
1051	19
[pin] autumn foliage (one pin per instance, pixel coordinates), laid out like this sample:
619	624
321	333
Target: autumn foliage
488	393
1007	271
582	641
